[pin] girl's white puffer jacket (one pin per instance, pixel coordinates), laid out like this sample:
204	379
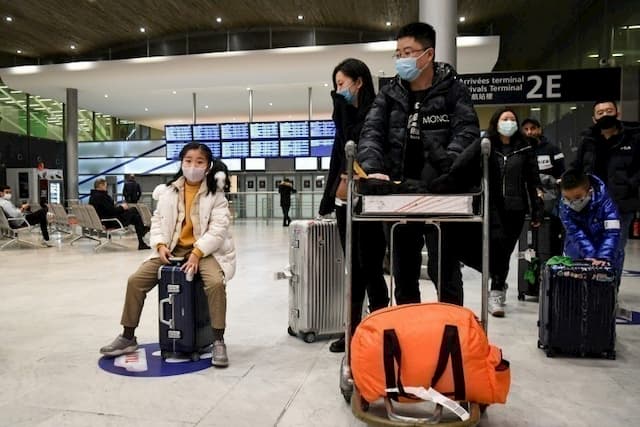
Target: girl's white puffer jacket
210	217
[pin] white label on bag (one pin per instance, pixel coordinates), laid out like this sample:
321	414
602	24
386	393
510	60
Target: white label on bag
434	396
613	224
133	362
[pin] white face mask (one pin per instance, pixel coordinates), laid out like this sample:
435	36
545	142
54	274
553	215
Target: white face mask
194	174
7	196
507	127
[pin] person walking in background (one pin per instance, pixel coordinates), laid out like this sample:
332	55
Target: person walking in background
514	184
131	190
610	150
352	96
285	188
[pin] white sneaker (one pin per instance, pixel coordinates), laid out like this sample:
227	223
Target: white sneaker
47	243
496	303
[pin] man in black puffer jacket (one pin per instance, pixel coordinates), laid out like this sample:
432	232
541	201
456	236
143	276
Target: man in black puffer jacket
610	150
416	128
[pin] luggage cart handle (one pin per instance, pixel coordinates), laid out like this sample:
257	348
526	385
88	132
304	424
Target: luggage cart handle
164	321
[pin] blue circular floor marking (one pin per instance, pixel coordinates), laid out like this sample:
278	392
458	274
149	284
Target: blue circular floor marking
146	362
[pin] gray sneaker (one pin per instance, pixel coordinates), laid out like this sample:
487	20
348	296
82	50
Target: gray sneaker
120	346
496	303
219	357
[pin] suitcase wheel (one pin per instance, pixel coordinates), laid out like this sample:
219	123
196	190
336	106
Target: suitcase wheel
195	357
290	332
309	337
347	395
540	345
520	296
551	353
611	355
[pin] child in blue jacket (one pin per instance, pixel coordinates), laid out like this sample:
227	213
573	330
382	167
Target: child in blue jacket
591	220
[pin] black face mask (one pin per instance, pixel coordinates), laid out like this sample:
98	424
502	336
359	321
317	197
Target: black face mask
607	122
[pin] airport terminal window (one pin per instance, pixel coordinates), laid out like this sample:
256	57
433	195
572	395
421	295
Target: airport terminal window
104	127
46	118
85	125
13	110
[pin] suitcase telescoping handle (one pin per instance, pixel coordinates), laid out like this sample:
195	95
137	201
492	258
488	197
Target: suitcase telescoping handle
168	300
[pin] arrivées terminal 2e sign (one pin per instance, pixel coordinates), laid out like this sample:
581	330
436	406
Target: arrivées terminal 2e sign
536	87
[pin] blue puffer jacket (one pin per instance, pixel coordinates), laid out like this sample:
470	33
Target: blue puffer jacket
593	232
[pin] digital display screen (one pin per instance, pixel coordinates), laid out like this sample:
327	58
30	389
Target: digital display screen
178	133
268	130
235	149
173	150
322	129
294	148
321	147
215	148
265	149
209	132
234	131
294	129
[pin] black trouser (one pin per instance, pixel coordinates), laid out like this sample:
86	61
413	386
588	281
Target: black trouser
39	217
368	246
407	259
511	223
130	217
286	220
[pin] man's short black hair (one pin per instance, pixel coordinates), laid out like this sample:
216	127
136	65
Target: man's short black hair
98	182
4	187
573	178
531	120
422	32
605	101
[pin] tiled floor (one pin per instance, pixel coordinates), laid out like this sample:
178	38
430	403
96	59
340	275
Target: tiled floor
59	305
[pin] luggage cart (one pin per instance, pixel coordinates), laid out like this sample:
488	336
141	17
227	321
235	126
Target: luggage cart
360	407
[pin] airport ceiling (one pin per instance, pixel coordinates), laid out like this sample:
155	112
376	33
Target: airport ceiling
48	29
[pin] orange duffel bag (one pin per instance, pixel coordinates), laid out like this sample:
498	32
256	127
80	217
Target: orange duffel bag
411	346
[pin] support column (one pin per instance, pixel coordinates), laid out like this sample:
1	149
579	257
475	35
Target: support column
71	138
310	93
250	105
194	108
443	16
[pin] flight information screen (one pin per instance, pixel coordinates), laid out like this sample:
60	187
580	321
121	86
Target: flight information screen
215	148
264	130
321	147
235	149
322	129
294	130
234	131
209	132
173	150
178	133
294	148
265	148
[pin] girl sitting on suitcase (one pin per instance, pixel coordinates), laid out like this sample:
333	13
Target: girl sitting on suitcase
591	220
192	221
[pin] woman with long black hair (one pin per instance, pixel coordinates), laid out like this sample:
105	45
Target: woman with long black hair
514	181
352	96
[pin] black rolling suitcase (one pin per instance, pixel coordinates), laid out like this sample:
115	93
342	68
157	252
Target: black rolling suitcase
185	329
534	249
577	313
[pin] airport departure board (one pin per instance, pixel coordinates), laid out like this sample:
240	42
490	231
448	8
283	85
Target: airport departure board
215	148
294	148
265	148
173	150
235	149
321	147
294	130
322	129
178	133
206	132
234	131
263	130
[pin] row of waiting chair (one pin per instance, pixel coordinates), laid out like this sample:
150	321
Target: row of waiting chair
86	217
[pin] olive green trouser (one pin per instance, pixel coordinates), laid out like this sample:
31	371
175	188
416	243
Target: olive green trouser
146	277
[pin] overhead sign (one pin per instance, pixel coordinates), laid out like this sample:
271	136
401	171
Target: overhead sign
539	87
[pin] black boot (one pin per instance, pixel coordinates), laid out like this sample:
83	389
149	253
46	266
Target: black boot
338	345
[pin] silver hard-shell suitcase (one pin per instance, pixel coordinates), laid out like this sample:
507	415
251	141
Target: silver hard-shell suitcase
316	280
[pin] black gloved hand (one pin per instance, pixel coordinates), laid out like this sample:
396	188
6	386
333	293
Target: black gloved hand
443	184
